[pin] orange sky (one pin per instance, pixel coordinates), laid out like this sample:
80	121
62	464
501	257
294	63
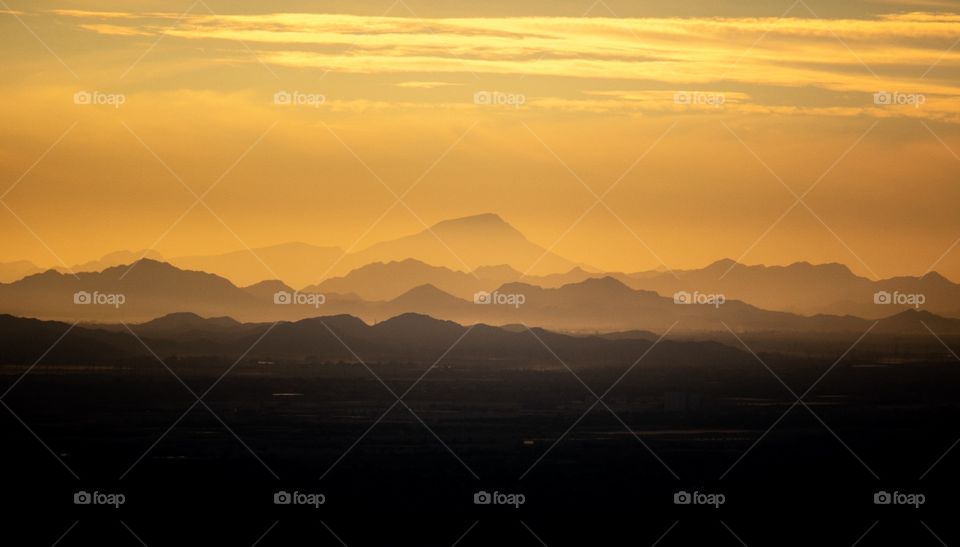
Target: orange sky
780	106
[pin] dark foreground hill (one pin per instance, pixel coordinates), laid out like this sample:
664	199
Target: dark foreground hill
405	338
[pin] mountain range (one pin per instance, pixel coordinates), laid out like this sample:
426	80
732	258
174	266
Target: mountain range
408	337
805	288
154	289
800	288
458	244
420	273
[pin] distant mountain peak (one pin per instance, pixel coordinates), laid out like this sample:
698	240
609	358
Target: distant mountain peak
416	323
116	258
482	218
121	255
936	277
464	244
341	322
407	262
411	317
142	264
267	288
723	264
606	283
833	267
178	316
268	283
426	288
425	293
833	270
916	314
186	322
476	223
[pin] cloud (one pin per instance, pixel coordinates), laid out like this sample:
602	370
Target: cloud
425	85
114	30
905	52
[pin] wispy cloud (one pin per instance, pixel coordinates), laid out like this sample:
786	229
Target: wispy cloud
425	85
838	57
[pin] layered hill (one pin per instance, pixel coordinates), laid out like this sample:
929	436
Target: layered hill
149	289
806	288
342	338
461	244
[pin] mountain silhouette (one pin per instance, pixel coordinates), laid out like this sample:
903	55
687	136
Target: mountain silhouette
386	281
153	289
461	244
184	322
608	305
149	290
804	288
466	244
118	258
264	291
296	264
410	337
429	300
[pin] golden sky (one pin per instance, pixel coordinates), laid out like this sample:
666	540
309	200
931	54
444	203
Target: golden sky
698	126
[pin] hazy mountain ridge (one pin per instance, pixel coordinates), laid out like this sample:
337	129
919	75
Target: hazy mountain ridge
297	264
152	289
418	273
148	288
118	258
805	288
461	244
409	337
